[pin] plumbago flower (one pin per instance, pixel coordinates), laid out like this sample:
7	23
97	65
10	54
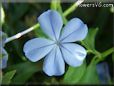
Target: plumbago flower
3	53
59	48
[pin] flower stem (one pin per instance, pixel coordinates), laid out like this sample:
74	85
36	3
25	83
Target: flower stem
18	35
73	7
54	4
105	54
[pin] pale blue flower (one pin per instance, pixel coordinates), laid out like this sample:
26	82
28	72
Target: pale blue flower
59	48
3	53
103	72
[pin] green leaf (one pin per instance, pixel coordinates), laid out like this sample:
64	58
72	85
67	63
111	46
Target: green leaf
24	71
89	41
74	74
8	76
90	76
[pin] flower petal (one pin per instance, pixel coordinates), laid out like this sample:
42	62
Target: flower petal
4	59
75	30
54	63
51	23
37	48
73	54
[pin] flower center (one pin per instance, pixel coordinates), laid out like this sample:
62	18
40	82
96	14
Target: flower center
57	43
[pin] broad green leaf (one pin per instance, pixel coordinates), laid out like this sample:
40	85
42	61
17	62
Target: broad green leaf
90	76
74	74
8	77
89	41
24	71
